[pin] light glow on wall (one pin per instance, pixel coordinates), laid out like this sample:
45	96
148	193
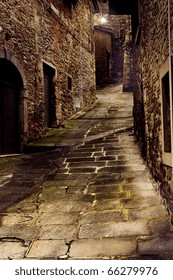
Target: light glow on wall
103	20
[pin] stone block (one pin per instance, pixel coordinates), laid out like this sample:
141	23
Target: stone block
161	226
68	232
116	195
101	217
12	250
57	218
80	159
58	184
83	176
155	212
114	230
143	193
106	179
140	202
76	190
138	186
86	164
106	247
134	164
116	169
106	204
64	206
104	188
159	245
18	218
47	249
105	158
20	231
79	154
82	170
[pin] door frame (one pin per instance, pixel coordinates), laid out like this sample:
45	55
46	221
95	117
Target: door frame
7	56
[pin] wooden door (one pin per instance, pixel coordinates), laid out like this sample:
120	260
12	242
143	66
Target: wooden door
9	118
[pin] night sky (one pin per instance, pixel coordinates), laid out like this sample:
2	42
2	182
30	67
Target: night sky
122	6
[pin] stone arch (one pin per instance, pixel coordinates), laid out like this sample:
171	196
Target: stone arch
12	107
7	54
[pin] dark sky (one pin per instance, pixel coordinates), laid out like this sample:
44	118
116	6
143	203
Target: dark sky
122	6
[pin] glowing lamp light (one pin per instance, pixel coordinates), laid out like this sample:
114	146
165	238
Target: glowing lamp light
103	20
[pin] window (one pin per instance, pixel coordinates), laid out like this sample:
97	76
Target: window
69	82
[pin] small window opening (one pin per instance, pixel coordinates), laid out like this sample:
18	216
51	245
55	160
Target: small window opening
69	81
49	96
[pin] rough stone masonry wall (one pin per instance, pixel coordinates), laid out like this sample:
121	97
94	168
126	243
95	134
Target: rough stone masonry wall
150	54
60	36
121	25
112	35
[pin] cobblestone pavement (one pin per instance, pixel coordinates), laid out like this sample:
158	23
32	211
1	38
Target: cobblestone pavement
91	198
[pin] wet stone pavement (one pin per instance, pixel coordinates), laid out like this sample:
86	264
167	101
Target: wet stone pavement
90	198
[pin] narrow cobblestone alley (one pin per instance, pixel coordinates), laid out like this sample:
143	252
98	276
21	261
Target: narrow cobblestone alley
90	198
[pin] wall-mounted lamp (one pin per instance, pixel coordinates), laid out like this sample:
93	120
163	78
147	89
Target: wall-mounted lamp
103	20
1	29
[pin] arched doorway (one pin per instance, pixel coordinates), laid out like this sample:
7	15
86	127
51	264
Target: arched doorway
11	85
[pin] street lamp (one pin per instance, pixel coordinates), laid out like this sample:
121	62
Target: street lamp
103	20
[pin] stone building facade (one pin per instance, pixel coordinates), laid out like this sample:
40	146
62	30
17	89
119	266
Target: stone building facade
112	42
47	66
153	112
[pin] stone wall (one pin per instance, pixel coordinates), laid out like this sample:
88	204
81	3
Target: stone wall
121	25
103	54
59	34
113	35
151	52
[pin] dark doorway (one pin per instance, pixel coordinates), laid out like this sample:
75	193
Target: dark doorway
10	88
49	95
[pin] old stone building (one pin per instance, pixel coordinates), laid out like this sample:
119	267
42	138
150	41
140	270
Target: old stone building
152	43
48	50
113	47
47	66
153	91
